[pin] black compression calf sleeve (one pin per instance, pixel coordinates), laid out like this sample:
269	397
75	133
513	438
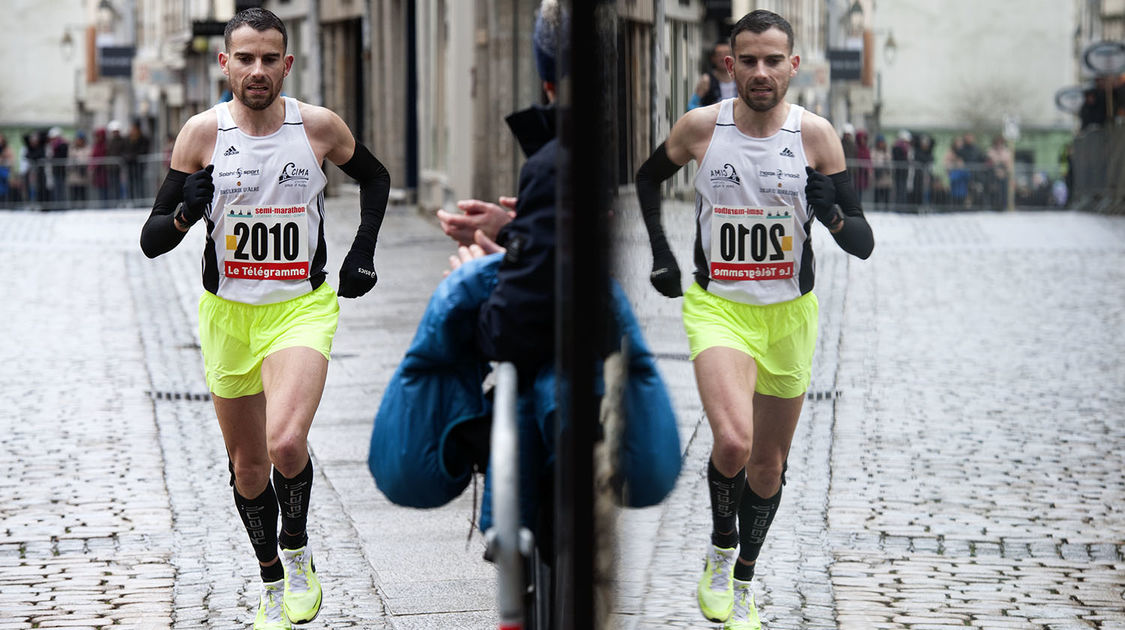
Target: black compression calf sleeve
159	235
755	515
855	236
293	496
259	515
374	191
657	168
726	494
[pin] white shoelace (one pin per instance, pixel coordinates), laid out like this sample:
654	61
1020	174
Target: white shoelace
272	596
298	581
722	569
741	610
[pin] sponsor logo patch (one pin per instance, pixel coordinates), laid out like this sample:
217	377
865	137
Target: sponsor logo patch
293	175
725	177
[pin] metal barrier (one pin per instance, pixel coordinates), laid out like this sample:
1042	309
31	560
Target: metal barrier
65	184
508	544
921	187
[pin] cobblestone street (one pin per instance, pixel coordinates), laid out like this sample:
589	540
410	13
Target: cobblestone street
958	462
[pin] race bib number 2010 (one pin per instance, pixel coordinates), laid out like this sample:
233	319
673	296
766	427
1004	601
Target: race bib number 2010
266	243
752	243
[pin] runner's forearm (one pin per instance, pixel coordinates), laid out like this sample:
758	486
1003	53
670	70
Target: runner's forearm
652	173
853	235
374	192
160	234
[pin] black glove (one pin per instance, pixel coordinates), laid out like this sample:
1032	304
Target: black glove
665	274
357	274
199	190
821	195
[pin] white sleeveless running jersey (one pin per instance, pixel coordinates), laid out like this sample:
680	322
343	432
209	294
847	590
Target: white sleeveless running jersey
752	220
265	239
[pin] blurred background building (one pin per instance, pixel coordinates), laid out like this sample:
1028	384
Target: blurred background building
427	83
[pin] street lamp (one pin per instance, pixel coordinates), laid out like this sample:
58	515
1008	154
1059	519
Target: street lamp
890	49
67	45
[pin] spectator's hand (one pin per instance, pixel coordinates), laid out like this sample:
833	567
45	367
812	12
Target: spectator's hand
357	275
478	215
821	195
665	274
199	190
481	247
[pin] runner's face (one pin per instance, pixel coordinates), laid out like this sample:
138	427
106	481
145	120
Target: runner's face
762	66
256	65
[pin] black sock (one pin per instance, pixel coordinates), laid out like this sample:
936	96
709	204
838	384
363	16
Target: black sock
272	573
744	572
259	515
293	496
726	493
755	515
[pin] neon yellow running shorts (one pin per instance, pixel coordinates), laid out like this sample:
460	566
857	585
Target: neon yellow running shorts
235	337
781	337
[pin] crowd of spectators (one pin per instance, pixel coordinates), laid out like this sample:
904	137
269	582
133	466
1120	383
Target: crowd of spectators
909	173
49	170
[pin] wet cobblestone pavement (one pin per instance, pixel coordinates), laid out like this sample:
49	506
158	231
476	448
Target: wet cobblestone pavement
958	463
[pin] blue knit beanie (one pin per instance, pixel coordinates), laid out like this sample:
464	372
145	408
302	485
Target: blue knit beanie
545	39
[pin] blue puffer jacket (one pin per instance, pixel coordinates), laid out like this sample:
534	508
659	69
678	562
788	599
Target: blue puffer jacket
438	385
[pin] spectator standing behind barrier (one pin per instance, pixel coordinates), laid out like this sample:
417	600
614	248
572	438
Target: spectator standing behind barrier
900	161
974	160
137	146
169	144
99	172
861	174
958	176
881	167
57	151
35	178
78	170
114	148
923	160
1000	170
847	139
6	159
715	84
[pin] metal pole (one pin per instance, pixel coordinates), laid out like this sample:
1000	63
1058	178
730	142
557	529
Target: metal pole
504	536
586	177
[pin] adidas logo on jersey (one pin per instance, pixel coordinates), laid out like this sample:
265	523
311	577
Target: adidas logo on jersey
784	152
231	151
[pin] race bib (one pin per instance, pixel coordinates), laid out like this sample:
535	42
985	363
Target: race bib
752	243
266	243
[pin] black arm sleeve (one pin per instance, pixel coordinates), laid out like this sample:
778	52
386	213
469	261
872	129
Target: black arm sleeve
655	170
374	191
159	234
855	237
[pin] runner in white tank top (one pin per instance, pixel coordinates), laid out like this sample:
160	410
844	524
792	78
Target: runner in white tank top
750	315
251	169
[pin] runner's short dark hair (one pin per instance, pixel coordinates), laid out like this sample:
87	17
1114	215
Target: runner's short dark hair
760	21
258	19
